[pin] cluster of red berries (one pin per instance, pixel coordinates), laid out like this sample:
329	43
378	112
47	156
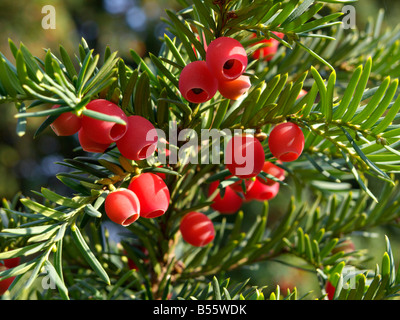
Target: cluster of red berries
7	264
136	140
226	61
147	196
246	160
285	142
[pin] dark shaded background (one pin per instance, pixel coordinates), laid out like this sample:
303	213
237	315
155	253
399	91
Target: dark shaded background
27	164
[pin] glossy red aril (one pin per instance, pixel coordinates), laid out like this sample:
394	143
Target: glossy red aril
122	207
286	142
104	132
273	170
226	58
89	145
262	192
238	185
234	89
197	229
5	283
140	140
196	83
153	194
66	124
11	262
228	203
270	49
244	156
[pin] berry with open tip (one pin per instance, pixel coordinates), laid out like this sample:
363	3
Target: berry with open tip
66	124
226	58
140	140
196	83
101	131
122	207
153	194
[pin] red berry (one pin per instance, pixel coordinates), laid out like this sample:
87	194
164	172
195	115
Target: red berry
12	262
229	203
153	194
330	290
234	89
196	83
100	131
66	123
237	186
6	283
262	192
270	49
160	174
122	206
89	145
131	264
273	170
226	58
140	140
286	142
244	156
197	229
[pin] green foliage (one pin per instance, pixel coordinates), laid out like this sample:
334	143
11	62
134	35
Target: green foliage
348	116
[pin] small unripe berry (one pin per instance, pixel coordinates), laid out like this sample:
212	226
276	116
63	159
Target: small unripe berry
100	131
89	145
197	229
140	140
196	83
244	156
228	203
234	89
122	207
272	170
66	124
131	264
262	192
286	142
226	58
153	194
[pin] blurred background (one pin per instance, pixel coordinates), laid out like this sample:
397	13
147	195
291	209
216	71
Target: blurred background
27	164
